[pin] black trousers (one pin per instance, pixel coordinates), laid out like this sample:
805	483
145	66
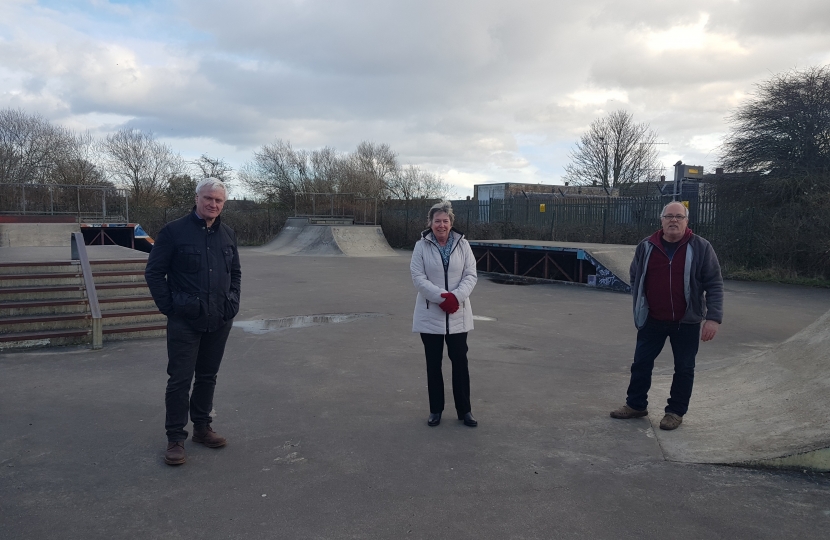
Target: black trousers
457	351
191	353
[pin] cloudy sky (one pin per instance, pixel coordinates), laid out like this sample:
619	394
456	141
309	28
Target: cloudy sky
475	90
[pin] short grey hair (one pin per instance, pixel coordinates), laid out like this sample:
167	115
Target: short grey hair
210	184
663	211
443	206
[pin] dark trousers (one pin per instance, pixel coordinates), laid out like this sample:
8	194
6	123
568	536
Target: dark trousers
457	351
191	352
684	339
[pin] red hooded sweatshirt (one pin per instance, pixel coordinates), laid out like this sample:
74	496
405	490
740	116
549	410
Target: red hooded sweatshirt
664	287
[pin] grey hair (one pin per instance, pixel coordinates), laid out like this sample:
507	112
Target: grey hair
663	211
443	206
210	184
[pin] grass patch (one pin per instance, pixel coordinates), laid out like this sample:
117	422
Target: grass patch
771	275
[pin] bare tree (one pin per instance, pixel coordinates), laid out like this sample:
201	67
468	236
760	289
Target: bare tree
412	182
76	163
614	152
326	169
278	171
29	147
371	169
271	174
784	129
136	160
209	167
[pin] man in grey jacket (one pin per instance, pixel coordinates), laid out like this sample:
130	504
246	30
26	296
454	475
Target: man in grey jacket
677	285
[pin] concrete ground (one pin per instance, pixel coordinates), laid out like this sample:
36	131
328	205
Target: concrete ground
327	425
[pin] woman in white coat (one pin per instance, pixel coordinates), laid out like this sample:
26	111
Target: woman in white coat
444	273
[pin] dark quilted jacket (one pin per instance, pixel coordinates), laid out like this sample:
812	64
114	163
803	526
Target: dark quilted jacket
194	273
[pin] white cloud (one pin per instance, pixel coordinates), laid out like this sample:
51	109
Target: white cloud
697	36
481	90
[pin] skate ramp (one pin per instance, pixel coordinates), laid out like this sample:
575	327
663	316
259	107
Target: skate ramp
287	235
767	409
616	258
36	234
301	238
361	241
611	261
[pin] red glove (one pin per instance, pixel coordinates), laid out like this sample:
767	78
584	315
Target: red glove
450	305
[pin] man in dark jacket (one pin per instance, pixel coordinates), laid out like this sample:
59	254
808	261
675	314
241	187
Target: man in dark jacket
676	284
194	276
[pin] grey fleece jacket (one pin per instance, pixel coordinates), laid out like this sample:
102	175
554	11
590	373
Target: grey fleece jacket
702	282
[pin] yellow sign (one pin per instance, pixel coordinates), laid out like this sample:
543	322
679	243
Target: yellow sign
541	207
685	203
693	171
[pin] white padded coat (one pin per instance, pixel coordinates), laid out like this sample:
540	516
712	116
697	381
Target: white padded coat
430	280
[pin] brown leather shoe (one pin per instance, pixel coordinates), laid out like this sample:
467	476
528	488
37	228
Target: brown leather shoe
208	437
625	412
175	453
671	421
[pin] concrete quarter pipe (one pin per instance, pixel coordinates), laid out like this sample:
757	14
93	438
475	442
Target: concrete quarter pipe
767	409
300	237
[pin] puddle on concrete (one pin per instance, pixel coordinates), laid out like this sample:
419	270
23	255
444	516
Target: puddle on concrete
515	348
483	318
263	326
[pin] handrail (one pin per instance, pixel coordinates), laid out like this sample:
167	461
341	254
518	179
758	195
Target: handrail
79	254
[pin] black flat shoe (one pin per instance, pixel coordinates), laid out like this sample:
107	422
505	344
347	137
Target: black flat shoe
469	420
434	419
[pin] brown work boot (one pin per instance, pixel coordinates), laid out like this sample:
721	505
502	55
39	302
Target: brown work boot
208	437
625	412
671	421
175	453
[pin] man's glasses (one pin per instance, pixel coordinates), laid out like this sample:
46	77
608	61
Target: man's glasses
677	217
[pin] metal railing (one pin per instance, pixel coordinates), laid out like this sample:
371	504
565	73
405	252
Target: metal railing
79	254
84	202
336	206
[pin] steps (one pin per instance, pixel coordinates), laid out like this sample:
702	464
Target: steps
45	303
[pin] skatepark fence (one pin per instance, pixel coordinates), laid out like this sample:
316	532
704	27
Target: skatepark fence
98	203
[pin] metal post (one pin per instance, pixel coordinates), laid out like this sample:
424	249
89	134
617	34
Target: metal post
78	191
127	201
23	190
678	180
603	224
552	222
104	202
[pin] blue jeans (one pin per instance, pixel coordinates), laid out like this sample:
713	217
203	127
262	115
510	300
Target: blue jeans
684	339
